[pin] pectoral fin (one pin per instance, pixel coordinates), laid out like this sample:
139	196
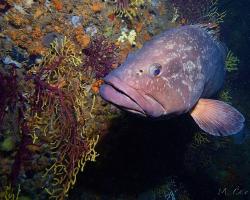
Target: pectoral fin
217	118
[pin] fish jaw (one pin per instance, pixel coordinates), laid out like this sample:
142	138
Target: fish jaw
116	91
111	94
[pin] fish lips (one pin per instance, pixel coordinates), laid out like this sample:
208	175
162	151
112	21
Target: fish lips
117	93
123	95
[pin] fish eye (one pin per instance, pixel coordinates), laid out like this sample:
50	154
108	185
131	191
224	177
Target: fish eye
155	69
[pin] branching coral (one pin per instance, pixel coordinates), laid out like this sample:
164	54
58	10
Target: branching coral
128	8
9	193
232	62
130	37
61	114
122	4
225	96
199	139
212	14
203	11
101	56
123	9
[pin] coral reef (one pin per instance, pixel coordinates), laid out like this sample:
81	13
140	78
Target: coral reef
129	8
130	37
62	114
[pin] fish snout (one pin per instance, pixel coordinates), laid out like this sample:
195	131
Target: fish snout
118	92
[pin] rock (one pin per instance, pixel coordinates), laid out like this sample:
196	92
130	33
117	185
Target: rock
76	21
50	37
8	60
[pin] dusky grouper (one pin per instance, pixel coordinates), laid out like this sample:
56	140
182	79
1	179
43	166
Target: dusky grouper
174	73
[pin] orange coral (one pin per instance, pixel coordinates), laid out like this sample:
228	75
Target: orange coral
124	52
138	27
96	86
18	36
146	37
29	40
82	38
183	21
16	18
11	2
58	4
111	16
36	33
96	7
37	13
36	48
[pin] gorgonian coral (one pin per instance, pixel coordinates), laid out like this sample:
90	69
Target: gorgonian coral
202	11
232	62
128	8
122	4
101	56
61	115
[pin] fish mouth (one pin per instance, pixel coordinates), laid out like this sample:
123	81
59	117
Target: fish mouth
117	92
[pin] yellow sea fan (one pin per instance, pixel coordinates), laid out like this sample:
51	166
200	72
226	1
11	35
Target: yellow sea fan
62	112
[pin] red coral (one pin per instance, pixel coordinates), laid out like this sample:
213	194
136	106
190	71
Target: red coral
101	56
69	146
122	4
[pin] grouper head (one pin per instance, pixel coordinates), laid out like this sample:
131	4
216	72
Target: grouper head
138	84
